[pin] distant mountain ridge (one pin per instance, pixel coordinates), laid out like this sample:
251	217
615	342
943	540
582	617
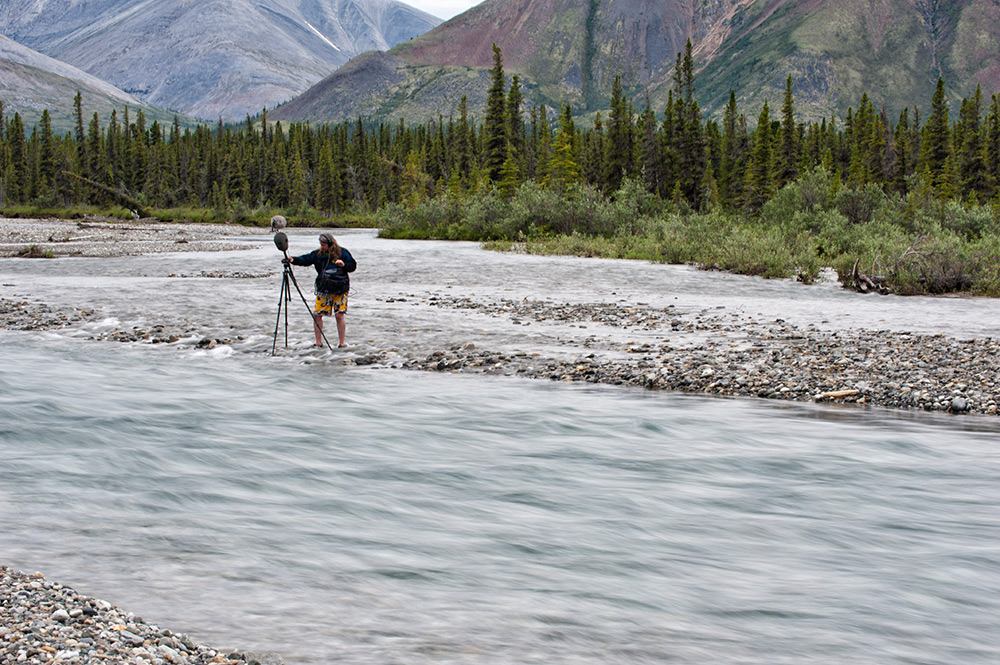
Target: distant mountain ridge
211	58
31	82
569	51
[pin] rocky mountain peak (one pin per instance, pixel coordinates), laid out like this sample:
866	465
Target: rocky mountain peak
211	58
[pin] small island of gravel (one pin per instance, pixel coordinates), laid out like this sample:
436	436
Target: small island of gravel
104	237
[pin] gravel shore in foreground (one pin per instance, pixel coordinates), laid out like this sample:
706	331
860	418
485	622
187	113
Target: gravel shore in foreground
43	622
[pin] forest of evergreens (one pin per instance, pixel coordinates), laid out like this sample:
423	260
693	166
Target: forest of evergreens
908	204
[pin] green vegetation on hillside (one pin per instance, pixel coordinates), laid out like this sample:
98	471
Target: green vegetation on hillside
908	205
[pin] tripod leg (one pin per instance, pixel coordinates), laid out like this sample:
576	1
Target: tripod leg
277	322
311	313
288	298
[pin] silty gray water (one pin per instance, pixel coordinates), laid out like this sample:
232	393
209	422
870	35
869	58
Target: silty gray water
379	516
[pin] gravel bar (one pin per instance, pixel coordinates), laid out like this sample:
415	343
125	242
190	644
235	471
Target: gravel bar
103	237
46	623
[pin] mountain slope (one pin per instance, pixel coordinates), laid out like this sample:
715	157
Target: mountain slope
893	50
211	58
31	82
571	50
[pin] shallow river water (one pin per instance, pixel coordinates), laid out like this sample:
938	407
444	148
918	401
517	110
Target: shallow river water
330	512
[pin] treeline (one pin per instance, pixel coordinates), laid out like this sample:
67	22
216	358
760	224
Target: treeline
676	153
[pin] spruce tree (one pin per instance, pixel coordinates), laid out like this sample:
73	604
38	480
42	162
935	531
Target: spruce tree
16	182
789	160
564	169
510	174
735	156
462	142
936	152
46	156
669	134
760	174
495	124
901	143
992	149
652	155
78	126
515	118
594	150
620	152
972	164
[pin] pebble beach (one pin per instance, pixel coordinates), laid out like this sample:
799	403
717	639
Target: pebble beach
44	622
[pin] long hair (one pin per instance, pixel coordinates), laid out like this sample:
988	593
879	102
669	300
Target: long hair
333	249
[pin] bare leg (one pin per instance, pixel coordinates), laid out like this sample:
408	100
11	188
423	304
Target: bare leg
318	329
341	326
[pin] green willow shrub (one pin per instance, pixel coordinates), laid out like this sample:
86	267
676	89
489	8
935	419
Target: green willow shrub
766	252
439	217
969	221
633	197
876	247
933	265
985	257
487	218
798	199
859	204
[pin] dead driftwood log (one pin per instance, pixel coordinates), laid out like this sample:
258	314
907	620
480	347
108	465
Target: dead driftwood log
837	394
867	283
136	208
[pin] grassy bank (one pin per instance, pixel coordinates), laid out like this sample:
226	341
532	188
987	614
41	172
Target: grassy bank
260	217
905	244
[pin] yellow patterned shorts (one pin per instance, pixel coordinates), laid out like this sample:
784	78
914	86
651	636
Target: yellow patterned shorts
327	303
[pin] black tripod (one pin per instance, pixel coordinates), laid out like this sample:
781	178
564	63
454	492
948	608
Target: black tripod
281	242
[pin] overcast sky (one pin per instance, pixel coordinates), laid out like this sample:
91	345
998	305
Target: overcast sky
443	8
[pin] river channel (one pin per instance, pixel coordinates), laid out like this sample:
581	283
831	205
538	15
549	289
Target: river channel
332	512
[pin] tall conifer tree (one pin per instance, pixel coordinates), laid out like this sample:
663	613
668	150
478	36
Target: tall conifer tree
789	159
760	175
972	164
620	153
936	153
495	124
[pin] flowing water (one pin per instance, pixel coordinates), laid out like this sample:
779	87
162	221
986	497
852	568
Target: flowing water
334	513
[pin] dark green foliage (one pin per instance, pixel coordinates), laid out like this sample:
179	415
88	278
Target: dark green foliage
760	172
937	144
916	202
620	157
495	126
788	166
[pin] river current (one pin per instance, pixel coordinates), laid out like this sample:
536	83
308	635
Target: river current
335	513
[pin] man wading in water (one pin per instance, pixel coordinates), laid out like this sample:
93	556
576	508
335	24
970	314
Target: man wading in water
332	263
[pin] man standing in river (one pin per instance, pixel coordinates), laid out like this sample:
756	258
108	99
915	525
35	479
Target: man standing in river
332	263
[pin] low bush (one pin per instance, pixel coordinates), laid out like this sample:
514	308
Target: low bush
35	252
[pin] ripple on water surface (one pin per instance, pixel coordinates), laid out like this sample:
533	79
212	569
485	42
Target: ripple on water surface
380	516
